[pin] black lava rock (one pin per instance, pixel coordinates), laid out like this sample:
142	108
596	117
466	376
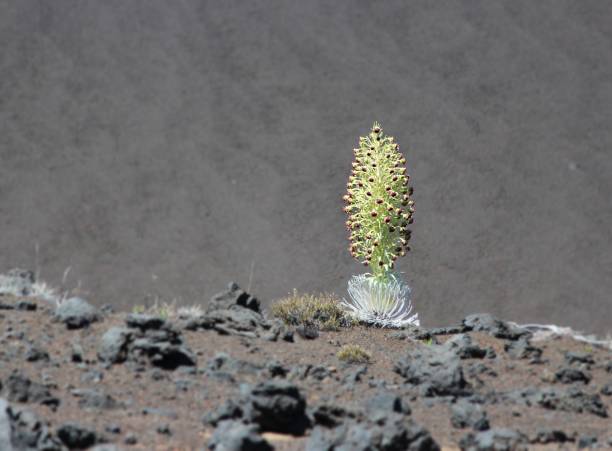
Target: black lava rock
571	375
276	406
75	436
330	415
36	354
145	322
545	436
579	357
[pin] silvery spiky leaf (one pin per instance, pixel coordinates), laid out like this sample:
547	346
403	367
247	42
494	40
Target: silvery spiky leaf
381	302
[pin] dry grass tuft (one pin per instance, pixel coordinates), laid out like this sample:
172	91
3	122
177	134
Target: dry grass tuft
323	311
354	354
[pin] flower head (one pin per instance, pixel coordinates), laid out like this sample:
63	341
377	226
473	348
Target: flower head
373	193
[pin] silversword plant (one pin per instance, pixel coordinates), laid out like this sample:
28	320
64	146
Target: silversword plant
379	208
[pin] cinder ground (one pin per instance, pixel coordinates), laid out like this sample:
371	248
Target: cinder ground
161	148
183	399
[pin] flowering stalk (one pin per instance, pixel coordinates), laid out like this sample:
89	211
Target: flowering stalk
379	209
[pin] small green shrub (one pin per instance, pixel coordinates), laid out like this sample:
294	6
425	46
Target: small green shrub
323	311
354	354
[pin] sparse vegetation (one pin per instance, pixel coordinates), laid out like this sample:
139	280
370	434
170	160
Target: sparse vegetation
169	310
354	354
323	311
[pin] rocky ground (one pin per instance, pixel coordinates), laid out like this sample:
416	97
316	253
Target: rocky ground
73	376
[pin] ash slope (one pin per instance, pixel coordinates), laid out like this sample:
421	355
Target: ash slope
156	147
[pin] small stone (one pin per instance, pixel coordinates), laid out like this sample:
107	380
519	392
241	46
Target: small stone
571	375
74	435
307	331
236	436
130	439
606	390
586	441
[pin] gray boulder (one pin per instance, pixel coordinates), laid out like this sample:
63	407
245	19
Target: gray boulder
77	313
234	297
21	430
20	388
113	347
17	282
465	414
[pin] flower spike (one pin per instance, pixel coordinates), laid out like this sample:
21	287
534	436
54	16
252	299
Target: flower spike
375	203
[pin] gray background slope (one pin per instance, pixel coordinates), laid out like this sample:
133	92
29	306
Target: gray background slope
165	148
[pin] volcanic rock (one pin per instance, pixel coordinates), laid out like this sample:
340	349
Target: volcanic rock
276	406
391	432
466	414
76	313
484	322
236	436
494	439
435	369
